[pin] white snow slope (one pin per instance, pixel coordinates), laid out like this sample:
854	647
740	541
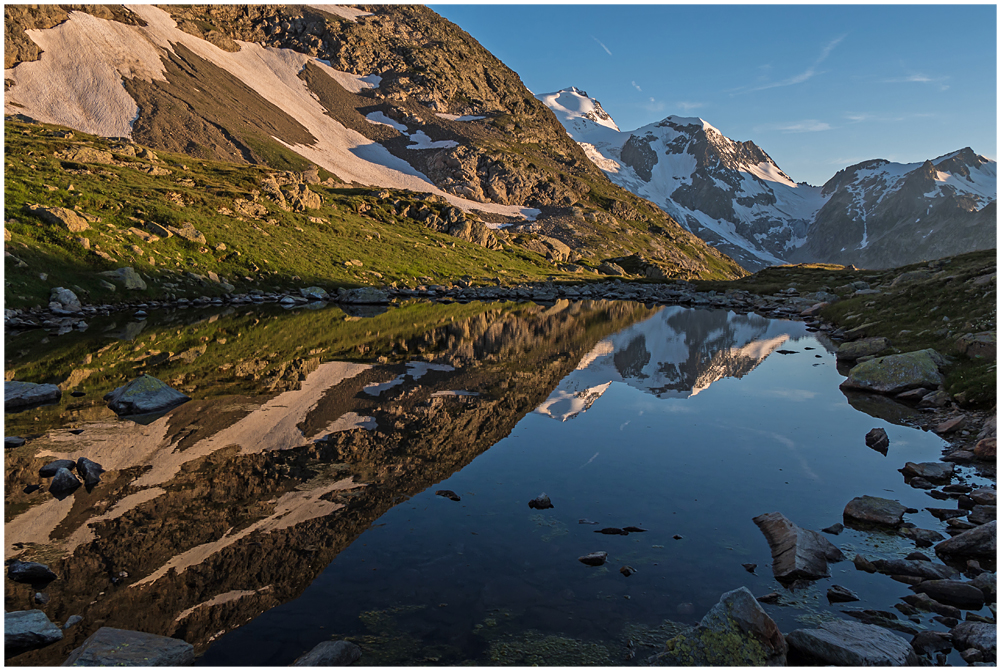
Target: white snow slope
78	83
730	194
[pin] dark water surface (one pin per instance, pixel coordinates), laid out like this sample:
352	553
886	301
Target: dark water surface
293	500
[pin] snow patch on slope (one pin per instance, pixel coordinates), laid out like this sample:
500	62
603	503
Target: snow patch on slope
78	83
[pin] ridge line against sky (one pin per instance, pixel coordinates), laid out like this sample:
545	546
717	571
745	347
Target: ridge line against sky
818	88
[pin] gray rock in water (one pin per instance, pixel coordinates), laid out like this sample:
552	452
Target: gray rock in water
29	572
72	621
951	592
798	553
897	373
841	594
876	511
27	630
835	529
594	558
921	536
113	646
330	653
735	632
919	568
91	472
541	502
878	440
50	468
25	394
363	296
987	583
314	293
979	541
984	496
63	483
13	442
929	642
935	472
975	635
144	395
63	301
928	604
852	644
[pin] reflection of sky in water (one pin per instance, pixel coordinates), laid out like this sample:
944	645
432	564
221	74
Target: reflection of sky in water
779	437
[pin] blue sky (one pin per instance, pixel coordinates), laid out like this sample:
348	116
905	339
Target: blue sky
817	87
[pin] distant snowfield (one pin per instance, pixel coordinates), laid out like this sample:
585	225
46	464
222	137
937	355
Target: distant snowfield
348	13
78	83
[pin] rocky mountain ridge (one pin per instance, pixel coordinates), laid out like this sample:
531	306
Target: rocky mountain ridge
389	96
733	195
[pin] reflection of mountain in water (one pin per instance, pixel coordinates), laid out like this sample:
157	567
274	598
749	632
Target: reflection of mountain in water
233	503
676	353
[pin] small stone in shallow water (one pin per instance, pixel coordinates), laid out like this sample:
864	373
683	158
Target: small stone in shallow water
678	537
612	531
634	529
841	594
627	570
450	495
750	567
878	440
770	598
541	502
588	522
835	529
594	558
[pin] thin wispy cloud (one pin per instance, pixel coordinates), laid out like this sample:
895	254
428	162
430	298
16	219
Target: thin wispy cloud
654	106
637	87
804	126
803	76
688	106
864	117
918	78
603	46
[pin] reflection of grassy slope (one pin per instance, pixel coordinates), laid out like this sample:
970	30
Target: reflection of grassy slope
292	251
275	338
421	442
909	314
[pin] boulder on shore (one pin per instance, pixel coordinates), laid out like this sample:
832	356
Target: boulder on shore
978	541
852	644
363	296
869	346
144	395
735	632
113	646
874	511
330	653
64	301
25	394
897	373
27	630
797	553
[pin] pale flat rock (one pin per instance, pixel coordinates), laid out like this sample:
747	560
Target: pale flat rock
897	373
113	646
24	394
330	653
27	630
852	644
872	510
144	395
798	553
979	541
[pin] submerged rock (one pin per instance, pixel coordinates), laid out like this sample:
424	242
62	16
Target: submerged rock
450	495
113	646
852	644
63	483
735	632
24	394
27	630
144	395
872	510
90	470
330	653
915	568
921	536
975	635
797	552
841	594
52	467
30	573
541	502
951	592
878	440
897	373
594	558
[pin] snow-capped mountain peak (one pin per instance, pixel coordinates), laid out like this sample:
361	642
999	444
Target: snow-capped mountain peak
578	112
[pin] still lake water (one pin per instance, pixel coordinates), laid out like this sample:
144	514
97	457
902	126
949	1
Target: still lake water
294	499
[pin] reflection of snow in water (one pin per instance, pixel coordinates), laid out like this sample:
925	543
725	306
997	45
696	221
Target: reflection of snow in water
677	352
414	370
118	445
442	394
